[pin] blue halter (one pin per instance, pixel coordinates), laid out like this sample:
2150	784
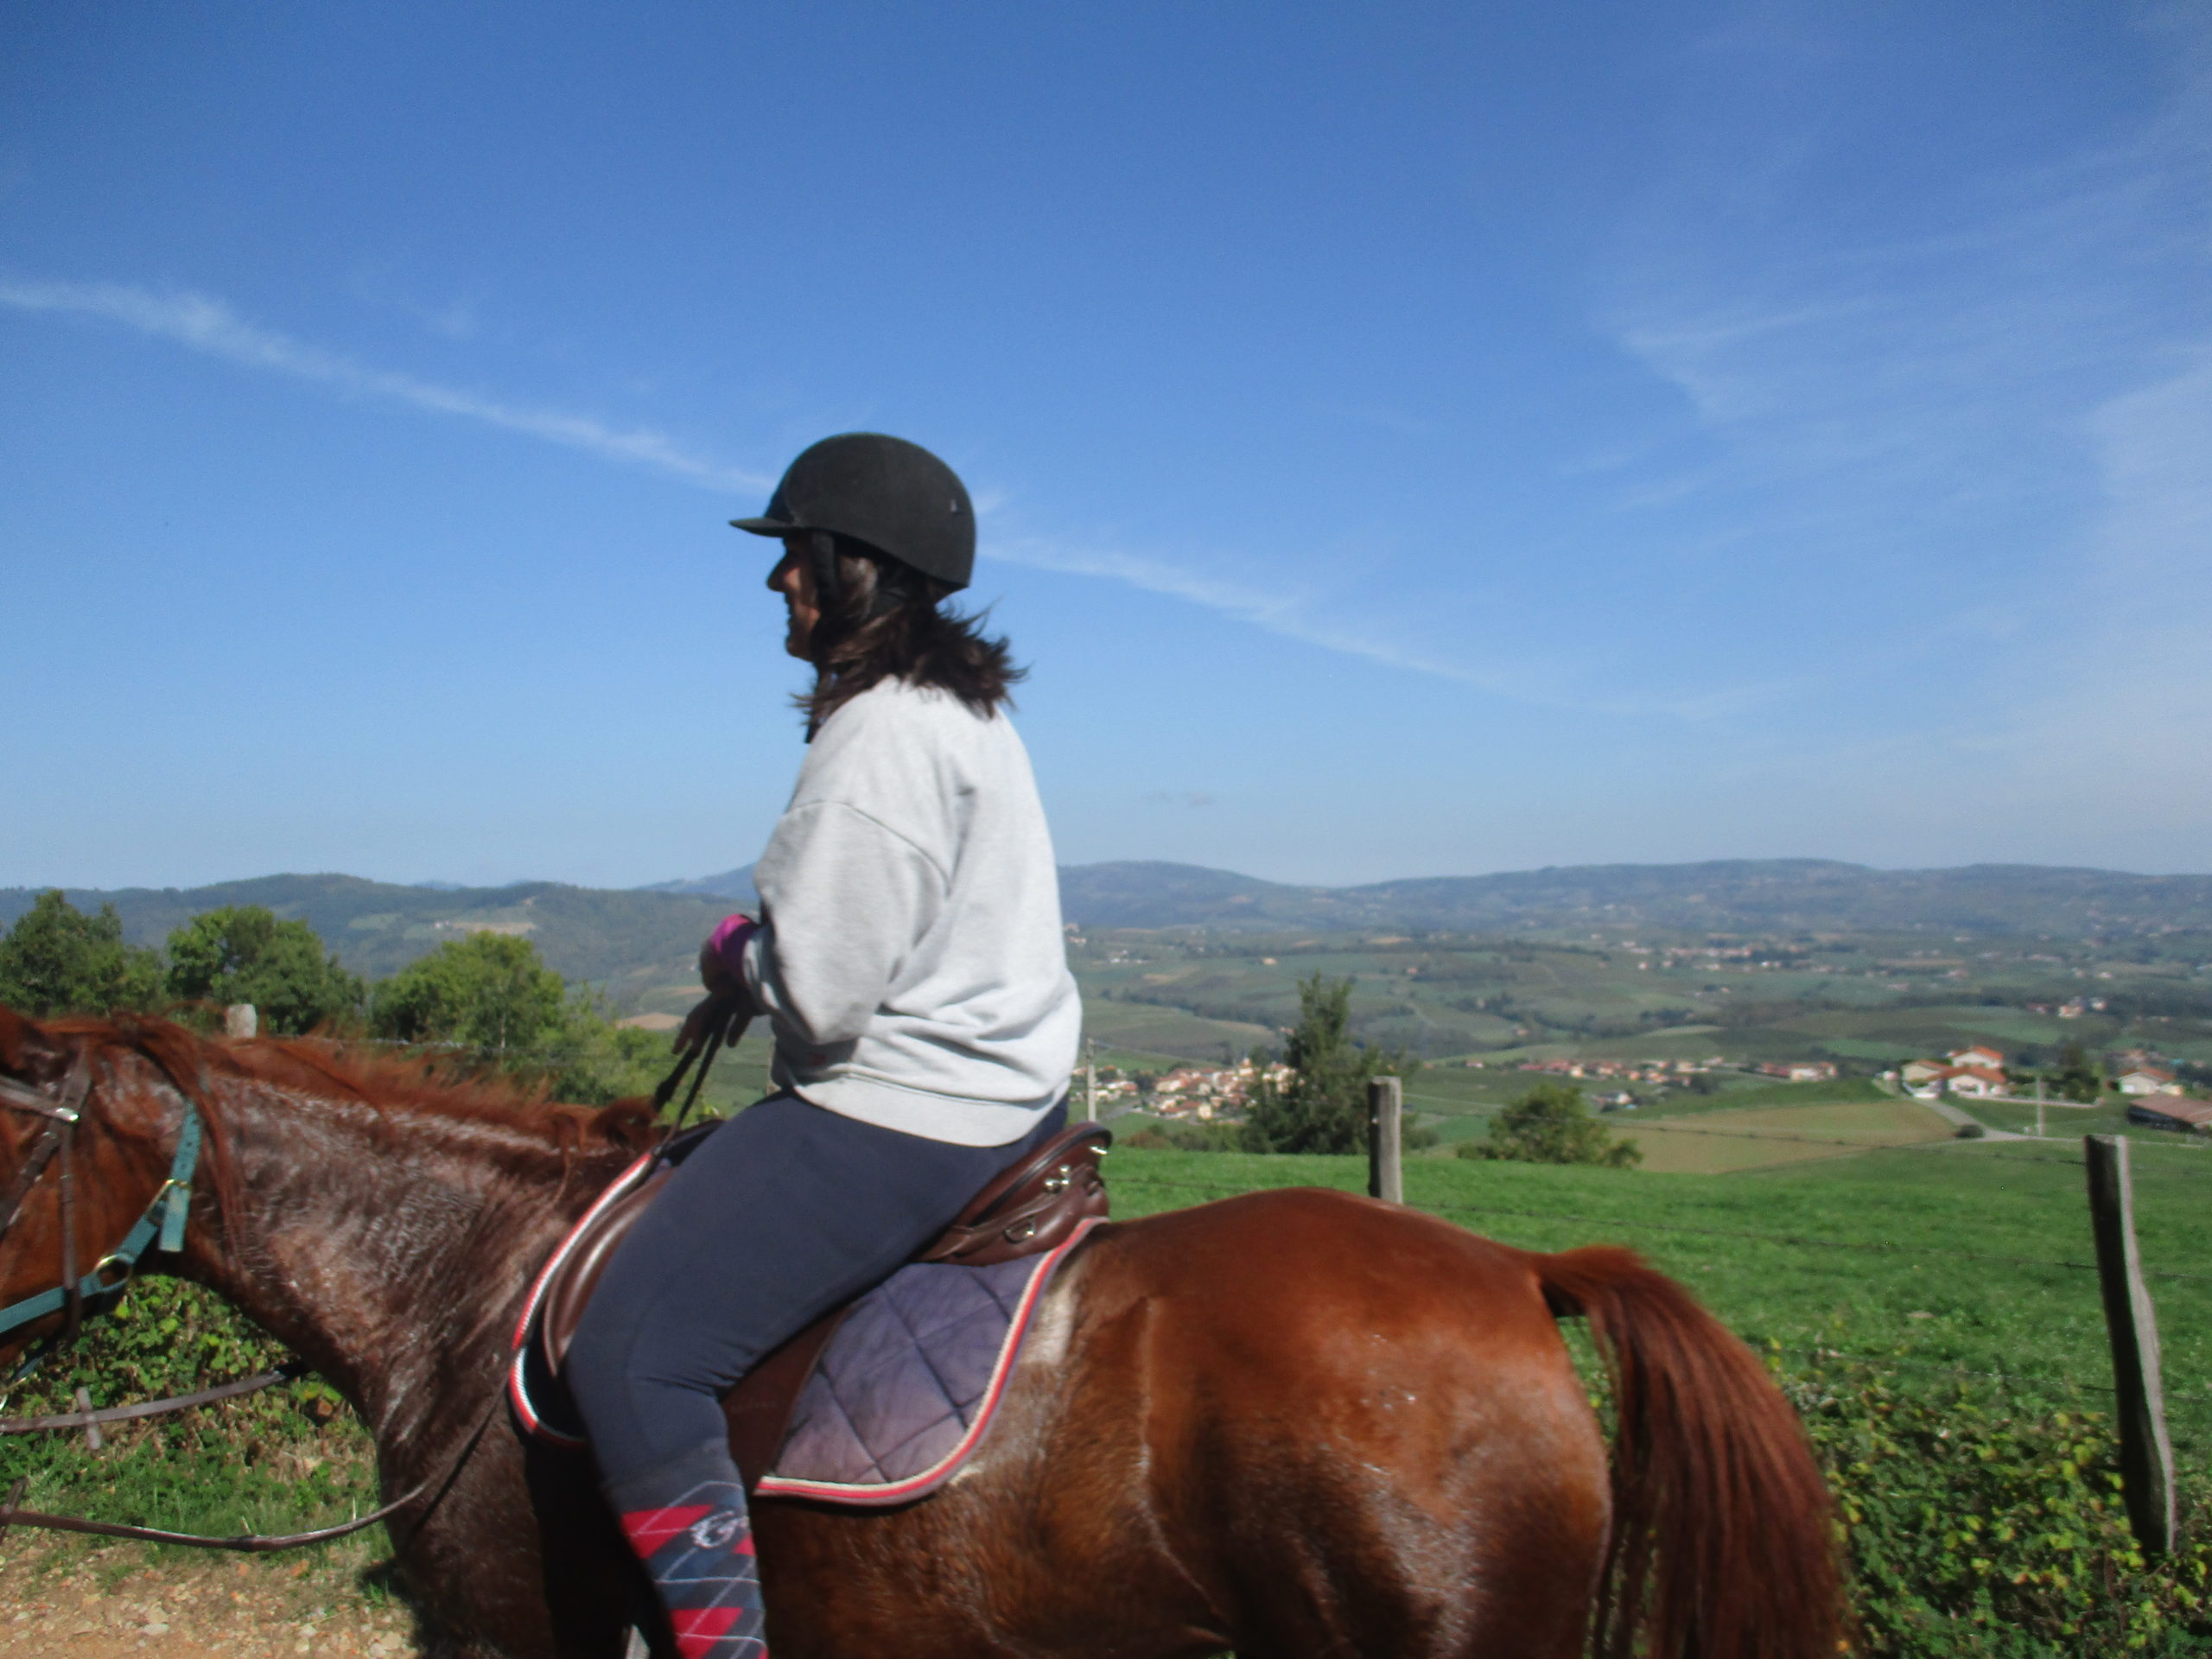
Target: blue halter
162	1220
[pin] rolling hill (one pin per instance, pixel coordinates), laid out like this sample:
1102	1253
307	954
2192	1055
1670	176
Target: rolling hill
1736	895
605	936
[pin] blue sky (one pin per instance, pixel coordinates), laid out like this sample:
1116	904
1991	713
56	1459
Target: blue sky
1411	439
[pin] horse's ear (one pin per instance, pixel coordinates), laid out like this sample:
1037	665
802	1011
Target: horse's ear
26	1048
632	1124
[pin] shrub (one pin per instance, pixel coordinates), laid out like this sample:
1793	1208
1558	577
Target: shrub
1551	1125
1982	1523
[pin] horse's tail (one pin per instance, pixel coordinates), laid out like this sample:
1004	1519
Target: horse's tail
1724	1542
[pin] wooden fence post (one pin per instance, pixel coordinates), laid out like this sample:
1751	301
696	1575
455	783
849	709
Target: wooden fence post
1386	1178
2146	1456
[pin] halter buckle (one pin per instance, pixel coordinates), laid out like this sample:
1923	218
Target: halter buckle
129	1265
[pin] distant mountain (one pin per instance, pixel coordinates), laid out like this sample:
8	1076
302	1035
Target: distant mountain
630	940
730	883
1736	895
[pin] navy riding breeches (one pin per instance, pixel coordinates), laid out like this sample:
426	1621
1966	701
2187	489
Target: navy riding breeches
772	1219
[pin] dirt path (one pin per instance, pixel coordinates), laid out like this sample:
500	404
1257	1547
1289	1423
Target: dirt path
66	1601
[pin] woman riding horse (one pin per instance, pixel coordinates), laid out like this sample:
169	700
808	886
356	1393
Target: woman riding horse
909	958
1293	1424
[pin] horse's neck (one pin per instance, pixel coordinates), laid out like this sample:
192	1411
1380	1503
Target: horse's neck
388	1249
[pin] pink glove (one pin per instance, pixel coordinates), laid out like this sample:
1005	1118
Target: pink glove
727	943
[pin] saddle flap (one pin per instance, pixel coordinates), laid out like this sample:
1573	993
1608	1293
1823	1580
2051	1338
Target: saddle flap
1036	1205
578	1274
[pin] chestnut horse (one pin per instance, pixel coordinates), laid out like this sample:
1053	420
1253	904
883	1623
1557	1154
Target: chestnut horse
1291	1424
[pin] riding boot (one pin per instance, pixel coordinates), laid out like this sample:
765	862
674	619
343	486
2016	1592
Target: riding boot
686	1521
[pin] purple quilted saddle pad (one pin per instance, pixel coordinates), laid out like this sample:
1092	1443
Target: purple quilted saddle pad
909	1380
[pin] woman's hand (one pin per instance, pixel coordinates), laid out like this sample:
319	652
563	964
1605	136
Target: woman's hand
729	1003
727	1011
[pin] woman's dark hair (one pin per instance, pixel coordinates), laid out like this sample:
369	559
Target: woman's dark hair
882	619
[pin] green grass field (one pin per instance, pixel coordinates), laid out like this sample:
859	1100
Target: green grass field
1959	1255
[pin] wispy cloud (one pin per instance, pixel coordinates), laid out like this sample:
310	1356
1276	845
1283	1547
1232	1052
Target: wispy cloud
2127	715
1285	611
202	324
1293	613
2020	398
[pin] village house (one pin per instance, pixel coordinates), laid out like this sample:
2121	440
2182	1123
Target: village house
2148	1080
1927	1079
2167	1112
1981	1054
1975	1082
1800	1071
1217	1093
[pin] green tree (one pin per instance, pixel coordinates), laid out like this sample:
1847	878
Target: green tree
58	960
489	991
2077	1078
244	954
493	996
598	1061
1323	1106
1551	1125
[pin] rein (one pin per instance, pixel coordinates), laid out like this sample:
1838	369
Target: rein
432	1486
164	1216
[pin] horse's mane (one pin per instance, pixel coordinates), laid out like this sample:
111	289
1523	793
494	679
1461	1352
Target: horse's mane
395	1084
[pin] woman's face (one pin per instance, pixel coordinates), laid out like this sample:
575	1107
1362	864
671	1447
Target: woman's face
793	577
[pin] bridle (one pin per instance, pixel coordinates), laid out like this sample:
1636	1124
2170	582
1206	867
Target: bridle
161	1223
163	1219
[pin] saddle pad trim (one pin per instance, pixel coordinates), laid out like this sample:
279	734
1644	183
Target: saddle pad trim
518	1379
877	1496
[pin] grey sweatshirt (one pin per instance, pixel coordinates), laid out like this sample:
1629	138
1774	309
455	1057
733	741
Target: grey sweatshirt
910	956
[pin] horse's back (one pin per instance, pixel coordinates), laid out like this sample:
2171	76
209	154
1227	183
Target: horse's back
1283	1423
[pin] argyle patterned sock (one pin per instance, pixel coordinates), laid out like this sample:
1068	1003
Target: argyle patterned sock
687	1522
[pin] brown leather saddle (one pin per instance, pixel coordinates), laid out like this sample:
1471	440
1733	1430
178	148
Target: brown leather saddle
1030	1207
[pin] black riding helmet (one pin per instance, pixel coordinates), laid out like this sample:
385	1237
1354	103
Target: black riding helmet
894	497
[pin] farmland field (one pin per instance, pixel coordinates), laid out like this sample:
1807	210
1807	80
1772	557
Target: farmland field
1713	1143
1867	999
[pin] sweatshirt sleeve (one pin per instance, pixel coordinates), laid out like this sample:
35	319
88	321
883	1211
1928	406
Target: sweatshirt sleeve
844	899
